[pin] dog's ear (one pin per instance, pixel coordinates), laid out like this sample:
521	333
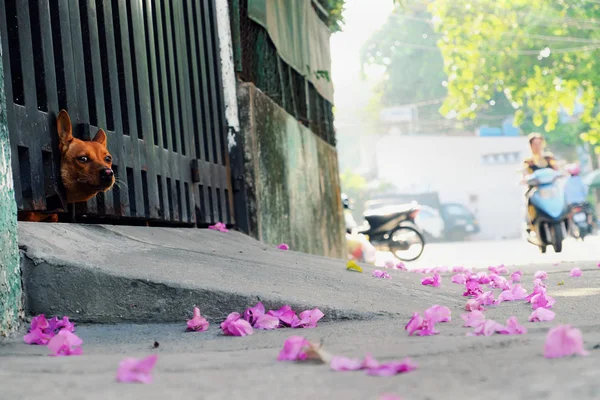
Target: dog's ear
100	137
65	130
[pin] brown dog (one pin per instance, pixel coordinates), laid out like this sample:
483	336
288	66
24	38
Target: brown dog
85	167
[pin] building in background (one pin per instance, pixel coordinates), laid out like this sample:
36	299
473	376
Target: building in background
481	173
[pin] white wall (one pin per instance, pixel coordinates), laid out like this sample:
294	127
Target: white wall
453	167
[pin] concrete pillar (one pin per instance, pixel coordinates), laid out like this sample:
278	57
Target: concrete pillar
10	279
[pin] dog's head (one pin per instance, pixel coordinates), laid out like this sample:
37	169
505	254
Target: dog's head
86	167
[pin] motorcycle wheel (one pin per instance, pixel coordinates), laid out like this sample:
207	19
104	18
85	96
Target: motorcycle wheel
557	237
406	243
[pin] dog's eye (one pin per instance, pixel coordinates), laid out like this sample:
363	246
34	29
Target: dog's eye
108	158
82	159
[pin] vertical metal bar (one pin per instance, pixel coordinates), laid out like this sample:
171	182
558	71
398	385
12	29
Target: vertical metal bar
145	109
9	104
117	146
236	35
134	154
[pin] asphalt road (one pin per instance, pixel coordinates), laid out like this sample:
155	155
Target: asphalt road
481	254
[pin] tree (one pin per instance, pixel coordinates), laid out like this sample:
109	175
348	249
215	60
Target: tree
542	56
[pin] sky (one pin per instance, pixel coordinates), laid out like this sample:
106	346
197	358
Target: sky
362	19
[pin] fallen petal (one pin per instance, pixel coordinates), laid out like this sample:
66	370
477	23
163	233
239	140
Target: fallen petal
474	305
294	349
308	319
434	280
198	323
134	370
542	300
473	319
516	276
235	326
393	368
251	314
353	266
563	341
541	275
381	274
486	328
576	272
542	315
339	363
266	321
283	246
437	314
65	343
486	298
459	278
37	336
414	324
513	327
219	226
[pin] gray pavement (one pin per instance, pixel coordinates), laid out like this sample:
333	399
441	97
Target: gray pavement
368	316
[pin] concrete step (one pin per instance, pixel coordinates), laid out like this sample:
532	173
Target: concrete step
108	274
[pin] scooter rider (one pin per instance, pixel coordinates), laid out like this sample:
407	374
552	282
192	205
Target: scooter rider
576	191
539	159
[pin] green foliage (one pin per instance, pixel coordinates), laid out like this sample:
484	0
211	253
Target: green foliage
336	19
541	55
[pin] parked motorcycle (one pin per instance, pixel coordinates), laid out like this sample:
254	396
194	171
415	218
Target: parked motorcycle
551	221
393	229
580	221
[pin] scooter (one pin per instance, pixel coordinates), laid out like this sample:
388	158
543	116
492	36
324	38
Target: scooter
393	228
581	221
551	221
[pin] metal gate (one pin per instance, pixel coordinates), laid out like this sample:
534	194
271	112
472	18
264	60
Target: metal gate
145	71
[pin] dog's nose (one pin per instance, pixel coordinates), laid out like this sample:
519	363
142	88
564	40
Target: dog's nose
106	173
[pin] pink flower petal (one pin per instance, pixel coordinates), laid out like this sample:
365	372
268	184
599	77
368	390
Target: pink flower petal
134	370
499	270
543	275
369	362
65	343
542	300
294	349
414	324
56	324
437	314
536	290
473	288
473	319
542	315
459	269
308	319
235	326
539	282
487	328
381	274
266	321
219	226
388	396
513	327
516	276
401	266
486	298
519	292
563	341
39	322
474	305
506	295
434	280
278	313
576	272
459	278
251	314
283	246
393	368
289	319
198	323
339	363
37	336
